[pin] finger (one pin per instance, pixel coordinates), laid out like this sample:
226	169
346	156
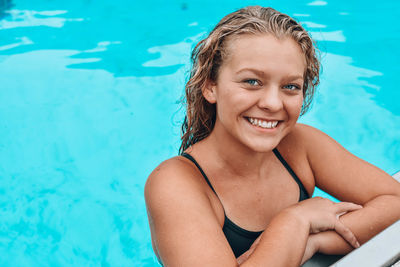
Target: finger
346	233
343	207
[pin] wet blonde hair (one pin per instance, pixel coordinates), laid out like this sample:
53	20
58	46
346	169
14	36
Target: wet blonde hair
209	53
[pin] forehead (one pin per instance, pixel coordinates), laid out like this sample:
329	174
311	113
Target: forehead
265	52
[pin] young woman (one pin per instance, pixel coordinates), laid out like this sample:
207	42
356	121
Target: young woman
239	193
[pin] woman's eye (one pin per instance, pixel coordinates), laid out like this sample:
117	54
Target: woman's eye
292	87
252	82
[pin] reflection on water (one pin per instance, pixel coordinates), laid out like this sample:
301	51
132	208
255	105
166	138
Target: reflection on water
129	39
31	18
335	36
317	3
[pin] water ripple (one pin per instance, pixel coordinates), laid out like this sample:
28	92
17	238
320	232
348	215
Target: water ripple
31	18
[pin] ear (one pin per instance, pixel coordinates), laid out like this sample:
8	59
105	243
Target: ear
209	92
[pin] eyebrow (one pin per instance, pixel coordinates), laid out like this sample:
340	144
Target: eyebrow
258	72
261	73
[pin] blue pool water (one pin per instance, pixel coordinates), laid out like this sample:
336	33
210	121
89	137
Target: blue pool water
89	105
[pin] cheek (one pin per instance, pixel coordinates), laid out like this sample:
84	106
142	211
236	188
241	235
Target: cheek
232	100
226	106
295	106
231	105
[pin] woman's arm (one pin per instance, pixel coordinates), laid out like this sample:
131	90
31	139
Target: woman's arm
187	232
348	178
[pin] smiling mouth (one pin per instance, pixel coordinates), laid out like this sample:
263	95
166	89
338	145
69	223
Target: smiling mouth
263	123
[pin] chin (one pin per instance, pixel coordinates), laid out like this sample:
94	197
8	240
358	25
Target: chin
263	146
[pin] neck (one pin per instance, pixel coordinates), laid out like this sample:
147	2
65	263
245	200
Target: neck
228	153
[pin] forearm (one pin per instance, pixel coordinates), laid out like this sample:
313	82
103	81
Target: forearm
282	243
365	223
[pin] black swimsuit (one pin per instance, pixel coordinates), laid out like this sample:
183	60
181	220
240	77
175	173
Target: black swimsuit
238	238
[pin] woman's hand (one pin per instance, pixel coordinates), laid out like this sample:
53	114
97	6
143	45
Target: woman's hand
323	215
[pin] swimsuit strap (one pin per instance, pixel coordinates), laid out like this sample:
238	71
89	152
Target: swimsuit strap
189	157
277	154
290	170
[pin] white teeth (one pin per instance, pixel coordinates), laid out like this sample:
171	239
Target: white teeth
263	124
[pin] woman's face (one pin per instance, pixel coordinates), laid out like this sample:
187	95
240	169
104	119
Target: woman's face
259	90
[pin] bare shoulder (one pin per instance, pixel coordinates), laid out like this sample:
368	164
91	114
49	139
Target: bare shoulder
300	136
339	172
309	140
175	178
306	133
318	145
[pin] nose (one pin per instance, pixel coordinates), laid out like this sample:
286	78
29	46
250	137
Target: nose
270	99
